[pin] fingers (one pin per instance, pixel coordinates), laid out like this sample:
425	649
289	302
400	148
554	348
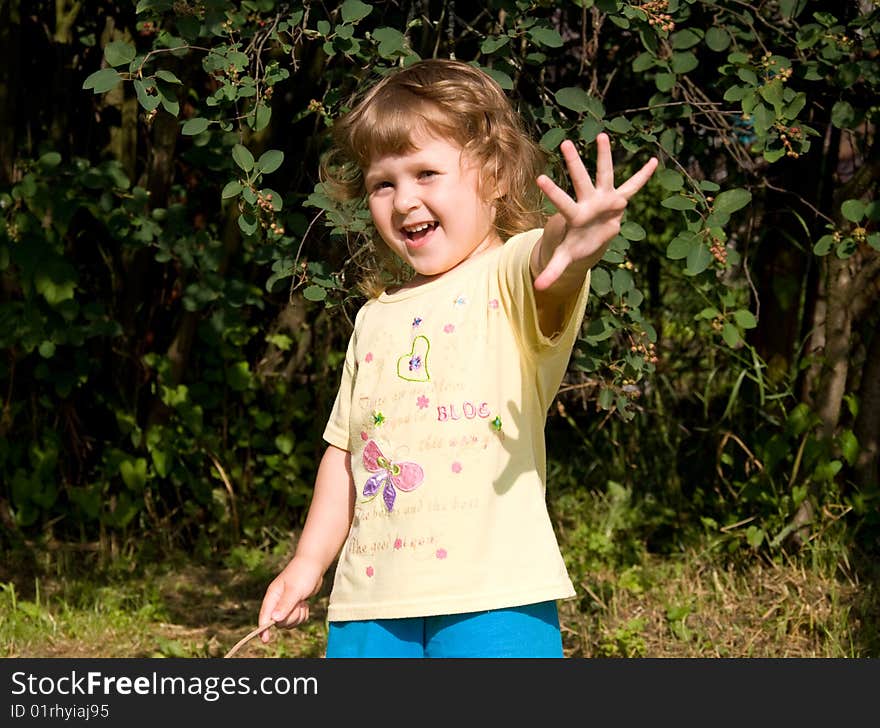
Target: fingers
270	600
638	180
288	603
580	178
604	163
282	606
553	270
559	197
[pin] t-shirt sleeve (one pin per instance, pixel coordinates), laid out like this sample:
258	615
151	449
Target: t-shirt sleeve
549	353
337	431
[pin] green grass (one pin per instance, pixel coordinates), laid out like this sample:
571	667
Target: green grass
700	601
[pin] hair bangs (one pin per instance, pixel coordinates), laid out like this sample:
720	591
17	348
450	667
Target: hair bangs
390	125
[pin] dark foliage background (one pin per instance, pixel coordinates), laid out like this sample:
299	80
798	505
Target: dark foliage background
176	289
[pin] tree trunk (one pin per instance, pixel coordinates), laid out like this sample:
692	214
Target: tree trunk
867	425
10	83
838	335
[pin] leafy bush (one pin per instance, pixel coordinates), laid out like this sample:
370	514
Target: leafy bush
173	323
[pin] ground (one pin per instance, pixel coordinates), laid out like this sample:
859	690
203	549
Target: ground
686	607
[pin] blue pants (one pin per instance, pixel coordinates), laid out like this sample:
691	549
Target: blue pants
529	631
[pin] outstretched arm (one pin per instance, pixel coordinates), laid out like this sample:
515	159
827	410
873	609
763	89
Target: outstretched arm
576	237
327	524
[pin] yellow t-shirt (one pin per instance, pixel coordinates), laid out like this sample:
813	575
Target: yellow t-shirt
442	405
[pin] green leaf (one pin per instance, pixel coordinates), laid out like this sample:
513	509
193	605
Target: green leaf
493	43
774	155
315	293
167	76
49	160
823	245
260	118
284	443
745	319
684	62
681	246
247	224
147	101
730	201
686	38
755	536
643	62
194	126
708	313
632	231
737	93
238	376
574	98
231	189
102	81
270	160
620	125
679	202
842	115
134	473
846	248
355	10
731	336
546	37
600	281
670	179
590	129
170	104
698	259
500	77
795	106
849	446
119	53
161	461
853	210
606	399
763	119
47	349
391	42
772	94
552	138
717	39
621	281
664	81
243	157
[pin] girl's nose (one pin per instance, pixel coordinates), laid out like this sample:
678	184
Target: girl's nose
405	199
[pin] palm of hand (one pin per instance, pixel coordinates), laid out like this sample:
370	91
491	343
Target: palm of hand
586	224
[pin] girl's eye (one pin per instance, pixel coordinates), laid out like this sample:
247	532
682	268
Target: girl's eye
427	173
381	186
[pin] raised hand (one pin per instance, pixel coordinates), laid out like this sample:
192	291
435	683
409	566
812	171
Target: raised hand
579	233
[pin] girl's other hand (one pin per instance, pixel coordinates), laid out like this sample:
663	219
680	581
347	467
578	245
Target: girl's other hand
285	602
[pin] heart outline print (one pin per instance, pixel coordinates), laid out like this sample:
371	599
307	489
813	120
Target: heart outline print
413	367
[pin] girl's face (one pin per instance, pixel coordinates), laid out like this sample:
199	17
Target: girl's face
426	205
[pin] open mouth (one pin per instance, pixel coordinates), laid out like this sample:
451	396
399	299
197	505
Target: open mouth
419	233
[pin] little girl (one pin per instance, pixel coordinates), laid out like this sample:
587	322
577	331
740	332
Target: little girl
433	481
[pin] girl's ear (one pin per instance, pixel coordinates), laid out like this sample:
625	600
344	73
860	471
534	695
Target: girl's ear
493	185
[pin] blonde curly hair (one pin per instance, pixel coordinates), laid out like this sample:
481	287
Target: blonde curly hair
454	101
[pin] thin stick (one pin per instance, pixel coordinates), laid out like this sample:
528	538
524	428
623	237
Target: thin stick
247	638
